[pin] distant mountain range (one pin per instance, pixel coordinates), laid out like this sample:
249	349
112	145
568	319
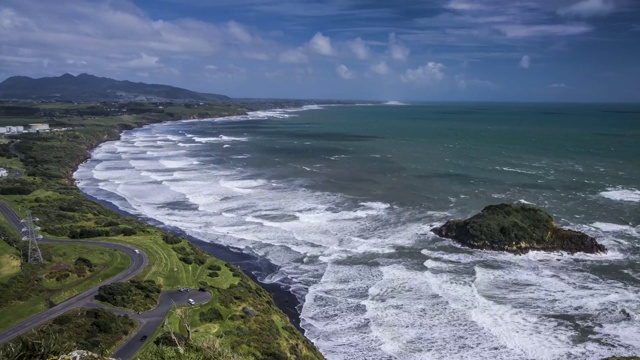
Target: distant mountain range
85	87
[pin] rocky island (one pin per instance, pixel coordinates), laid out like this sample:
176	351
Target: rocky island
516	228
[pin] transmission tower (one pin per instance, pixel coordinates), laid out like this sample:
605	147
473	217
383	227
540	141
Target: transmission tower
30	232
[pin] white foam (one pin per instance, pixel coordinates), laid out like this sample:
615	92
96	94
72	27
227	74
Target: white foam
368	293
523	201
220	138
622	194
517	170
616	228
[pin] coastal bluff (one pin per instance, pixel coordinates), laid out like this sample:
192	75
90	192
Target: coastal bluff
518	229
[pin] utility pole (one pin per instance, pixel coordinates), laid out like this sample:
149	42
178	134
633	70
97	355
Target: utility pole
30	232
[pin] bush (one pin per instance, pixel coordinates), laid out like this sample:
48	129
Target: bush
166	339
83	262
214	267
201	259
211	315
171	239
214	274
186	259
135	294
181	250
87	233
89	329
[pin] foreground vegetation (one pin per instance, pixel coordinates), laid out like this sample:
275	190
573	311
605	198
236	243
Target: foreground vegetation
68	332
48	189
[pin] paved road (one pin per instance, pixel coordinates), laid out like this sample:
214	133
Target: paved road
138	262
148	321
151	320
12	149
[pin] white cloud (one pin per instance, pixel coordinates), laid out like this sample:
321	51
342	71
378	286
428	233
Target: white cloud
588	8
428	73
295	56
464	5
344	72
397	50
239	32
560	86
321	44
522	31
525	62
231	73
380	68
144	62
360	49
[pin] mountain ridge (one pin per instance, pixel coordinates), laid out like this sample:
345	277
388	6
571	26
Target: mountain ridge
86	87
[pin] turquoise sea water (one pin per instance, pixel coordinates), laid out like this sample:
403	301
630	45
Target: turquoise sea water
342	199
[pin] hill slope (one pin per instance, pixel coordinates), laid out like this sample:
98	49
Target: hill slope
85	87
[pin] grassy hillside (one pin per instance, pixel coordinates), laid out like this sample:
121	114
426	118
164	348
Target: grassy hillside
47	189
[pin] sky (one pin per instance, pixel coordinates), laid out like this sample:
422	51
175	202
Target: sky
406	50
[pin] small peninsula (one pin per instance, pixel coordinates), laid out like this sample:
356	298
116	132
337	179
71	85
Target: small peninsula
516	228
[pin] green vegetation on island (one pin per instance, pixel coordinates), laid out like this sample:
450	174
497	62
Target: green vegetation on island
516	228
47	188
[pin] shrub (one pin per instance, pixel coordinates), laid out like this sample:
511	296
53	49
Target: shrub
167	340
186	259
211	315
214	267
171	239
81	261
135	294
181	250
201	259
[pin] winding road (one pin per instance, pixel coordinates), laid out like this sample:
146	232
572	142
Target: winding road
148	321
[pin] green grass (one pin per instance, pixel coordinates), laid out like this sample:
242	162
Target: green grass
64	211
166	268
13	314
11	163
108	263
113	263
9	261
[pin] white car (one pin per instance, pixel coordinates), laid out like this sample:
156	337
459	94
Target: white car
190	301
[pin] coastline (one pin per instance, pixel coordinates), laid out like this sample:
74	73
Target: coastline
251	265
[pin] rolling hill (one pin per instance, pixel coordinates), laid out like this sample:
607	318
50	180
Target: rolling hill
85	87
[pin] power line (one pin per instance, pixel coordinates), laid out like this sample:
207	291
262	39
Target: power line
30	232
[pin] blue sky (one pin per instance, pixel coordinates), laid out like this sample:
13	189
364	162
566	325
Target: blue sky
439	50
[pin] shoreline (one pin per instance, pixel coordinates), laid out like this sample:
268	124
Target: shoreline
251	265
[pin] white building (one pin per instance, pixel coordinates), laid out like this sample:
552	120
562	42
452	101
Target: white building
39	127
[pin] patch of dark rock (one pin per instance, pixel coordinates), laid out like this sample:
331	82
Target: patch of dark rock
516	228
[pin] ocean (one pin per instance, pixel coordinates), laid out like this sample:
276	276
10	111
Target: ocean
342	199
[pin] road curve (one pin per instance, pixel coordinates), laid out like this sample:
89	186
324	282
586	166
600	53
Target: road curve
149	321
139	261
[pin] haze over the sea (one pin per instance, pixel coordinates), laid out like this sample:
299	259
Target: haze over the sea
342	199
